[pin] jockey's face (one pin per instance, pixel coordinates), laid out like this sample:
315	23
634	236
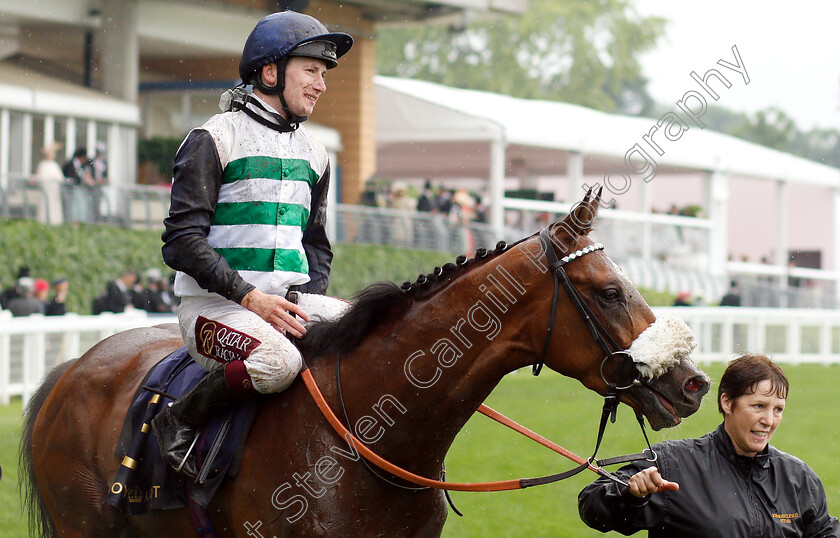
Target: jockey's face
305	82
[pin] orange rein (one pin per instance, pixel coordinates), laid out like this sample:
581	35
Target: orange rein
368	454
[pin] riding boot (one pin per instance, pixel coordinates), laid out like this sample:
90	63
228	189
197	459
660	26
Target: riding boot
178	424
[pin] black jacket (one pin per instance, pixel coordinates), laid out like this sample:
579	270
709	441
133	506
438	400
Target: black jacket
721	494
116	299
195	193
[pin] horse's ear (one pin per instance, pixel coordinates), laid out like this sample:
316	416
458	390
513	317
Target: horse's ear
580	220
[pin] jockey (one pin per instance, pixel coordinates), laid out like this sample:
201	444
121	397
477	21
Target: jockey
245	230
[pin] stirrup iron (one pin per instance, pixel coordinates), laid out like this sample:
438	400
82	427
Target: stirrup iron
187	455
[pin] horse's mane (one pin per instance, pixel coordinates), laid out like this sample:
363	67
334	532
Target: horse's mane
385	301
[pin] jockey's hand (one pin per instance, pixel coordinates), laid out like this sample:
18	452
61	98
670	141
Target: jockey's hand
650	481
277	311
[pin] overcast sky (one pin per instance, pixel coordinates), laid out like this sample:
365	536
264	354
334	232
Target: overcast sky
791	52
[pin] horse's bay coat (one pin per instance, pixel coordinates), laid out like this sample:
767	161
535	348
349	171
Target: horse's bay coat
416	363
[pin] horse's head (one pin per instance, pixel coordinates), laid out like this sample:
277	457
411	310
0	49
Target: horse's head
623	343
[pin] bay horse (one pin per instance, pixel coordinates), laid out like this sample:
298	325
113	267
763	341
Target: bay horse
415	363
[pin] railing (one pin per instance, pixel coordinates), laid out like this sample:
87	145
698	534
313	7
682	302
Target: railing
680	240
410	229
136	206
789	335
30	346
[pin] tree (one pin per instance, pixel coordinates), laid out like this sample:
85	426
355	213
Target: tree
577	51
818	145
771	127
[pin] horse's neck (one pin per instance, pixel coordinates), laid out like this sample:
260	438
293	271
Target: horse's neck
416	382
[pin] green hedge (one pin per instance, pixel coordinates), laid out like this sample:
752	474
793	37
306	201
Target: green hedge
91	255
88	255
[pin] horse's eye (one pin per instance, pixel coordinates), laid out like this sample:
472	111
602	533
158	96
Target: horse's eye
611	294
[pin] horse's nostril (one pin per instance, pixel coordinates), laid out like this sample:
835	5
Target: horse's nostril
693	385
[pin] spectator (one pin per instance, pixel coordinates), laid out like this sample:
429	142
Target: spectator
461	213
77	172
402	232
732	297
99	172
42	290
152	299
12	291
463	207
444	202
118	294
57	306
793	281
683	299
26	303
51	177
426	201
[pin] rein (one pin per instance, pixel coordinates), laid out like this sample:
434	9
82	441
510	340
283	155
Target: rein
503	485
611	399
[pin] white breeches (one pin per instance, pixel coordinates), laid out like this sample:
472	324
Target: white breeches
217	331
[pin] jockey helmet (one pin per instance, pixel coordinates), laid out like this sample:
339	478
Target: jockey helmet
284	34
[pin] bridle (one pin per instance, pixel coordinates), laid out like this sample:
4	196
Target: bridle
596	328
628	376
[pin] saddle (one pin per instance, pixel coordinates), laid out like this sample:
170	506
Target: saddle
144	481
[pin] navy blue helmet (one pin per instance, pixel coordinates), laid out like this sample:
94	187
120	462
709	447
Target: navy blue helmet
289	33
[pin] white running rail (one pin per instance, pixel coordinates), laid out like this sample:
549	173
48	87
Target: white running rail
30	346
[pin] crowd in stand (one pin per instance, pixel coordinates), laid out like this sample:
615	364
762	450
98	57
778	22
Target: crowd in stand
73	190
456	205
31	295
152	293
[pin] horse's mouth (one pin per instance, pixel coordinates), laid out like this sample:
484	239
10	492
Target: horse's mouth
659	411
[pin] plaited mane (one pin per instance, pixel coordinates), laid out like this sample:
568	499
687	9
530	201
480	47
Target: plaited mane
385	301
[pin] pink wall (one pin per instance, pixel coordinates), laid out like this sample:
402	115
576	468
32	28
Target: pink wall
752	211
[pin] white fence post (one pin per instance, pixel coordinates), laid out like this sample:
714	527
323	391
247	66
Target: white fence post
5	363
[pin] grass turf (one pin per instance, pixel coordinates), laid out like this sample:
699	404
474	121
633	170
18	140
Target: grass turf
562	410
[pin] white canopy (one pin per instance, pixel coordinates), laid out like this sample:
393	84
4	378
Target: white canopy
426	130
417	122
28	91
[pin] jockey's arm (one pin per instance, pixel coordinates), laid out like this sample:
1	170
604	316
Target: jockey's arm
315	242
197	178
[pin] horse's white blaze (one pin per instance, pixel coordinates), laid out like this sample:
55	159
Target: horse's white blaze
662	346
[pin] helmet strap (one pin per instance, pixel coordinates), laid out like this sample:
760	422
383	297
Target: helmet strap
282	124
277	90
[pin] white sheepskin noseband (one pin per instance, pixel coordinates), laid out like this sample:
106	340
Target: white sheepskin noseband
662	346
